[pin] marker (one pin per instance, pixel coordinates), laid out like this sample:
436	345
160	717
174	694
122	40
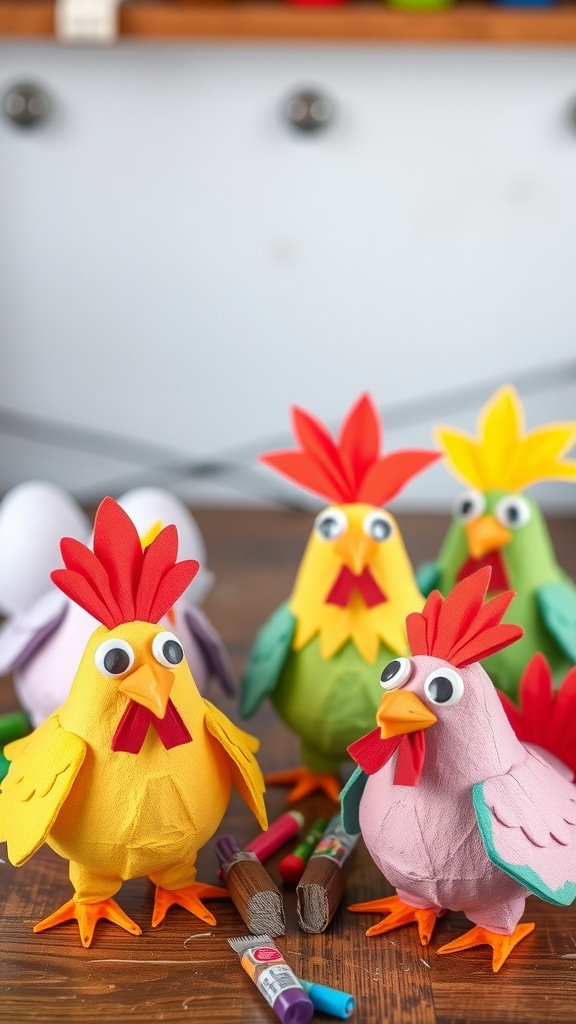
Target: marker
286	826
274	979
291	867
329	1000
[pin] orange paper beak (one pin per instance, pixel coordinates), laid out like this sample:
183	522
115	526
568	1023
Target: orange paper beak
486	534
401	712
150	686
356	550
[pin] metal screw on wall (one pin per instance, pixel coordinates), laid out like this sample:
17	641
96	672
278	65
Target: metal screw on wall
309	111
25	105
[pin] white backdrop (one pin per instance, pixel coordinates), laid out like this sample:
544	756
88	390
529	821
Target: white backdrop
178	266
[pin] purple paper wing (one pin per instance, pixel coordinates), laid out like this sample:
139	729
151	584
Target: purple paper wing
211	648
23	634
527	819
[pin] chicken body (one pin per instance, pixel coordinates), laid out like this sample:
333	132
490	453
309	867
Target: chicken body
425	839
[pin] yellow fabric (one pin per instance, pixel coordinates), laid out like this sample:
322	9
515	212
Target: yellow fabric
390	567
128	815
43	769
239	746
504	456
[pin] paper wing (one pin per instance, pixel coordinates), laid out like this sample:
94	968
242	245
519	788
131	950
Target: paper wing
427	577
557	604
240	747
21	635
44	766
267	659
350	798
211	648
527	819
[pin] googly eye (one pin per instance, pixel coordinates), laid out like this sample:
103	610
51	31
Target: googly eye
395	673
513	512
330	523
468	506
167	649
378	525
114	658
444	686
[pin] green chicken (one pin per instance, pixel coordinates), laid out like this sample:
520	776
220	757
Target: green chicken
496	525
317	657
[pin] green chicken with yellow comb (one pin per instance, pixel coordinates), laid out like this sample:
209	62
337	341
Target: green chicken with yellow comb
495	524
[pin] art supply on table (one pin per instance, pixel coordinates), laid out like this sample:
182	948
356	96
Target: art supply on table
274	979
321	888
255	896
291	867
279	832
329	1000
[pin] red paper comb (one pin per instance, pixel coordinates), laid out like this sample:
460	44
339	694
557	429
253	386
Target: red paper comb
462	629
351	468
545	717
118	582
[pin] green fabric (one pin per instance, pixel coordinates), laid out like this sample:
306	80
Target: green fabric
427	577
350	798
530	563
557	603
267	659
522	873
331	702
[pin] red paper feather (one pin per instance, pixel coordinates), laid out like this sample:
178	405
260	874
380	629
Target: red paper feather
545	718
118	582
461	629
349	469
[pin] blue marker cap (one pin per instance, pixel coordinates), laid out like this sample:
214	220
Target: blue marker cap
329	1000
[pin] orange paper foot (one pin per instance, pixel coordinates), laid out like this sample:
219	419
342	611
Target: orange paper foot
399	913
502	945
307	782
189	898
87	915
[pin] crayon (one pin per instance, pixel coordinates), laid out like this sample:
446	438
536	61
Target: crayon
291	867
329	1000
280	831
255	896
274	979
321	888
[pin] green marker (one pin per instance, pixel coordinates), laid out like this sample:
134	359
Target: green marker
292	866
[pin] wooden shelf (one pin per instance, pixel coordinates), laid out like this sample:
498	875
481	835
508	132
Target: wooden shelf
276	21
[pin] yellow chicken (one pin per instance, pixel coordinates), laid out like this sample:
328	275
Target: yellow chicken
133	774
315	656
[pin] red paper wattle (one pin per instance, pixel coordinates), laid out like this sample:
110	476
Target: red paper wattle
371	753
347	582
135	722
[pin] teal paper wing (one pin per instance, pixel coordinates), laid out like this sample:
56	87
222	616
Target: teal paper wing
557	604
427	577
527	820
267	659
350	798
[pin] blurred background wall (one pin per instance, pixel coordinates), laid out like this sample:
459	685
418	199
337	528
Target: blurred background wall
178	265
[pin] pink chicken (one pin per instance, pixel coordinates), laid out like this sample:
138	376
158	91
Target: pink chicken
456	812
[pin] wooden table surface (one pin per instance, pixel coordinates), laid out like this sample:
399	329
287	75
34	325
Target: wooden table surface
184	971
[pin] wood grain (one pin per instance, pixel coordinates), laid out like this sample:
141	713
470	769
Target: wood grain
177	972
368	22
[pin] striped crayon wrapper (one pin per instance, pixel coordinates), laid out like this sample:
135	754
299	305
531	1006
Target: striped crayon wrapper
321	888
291	867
